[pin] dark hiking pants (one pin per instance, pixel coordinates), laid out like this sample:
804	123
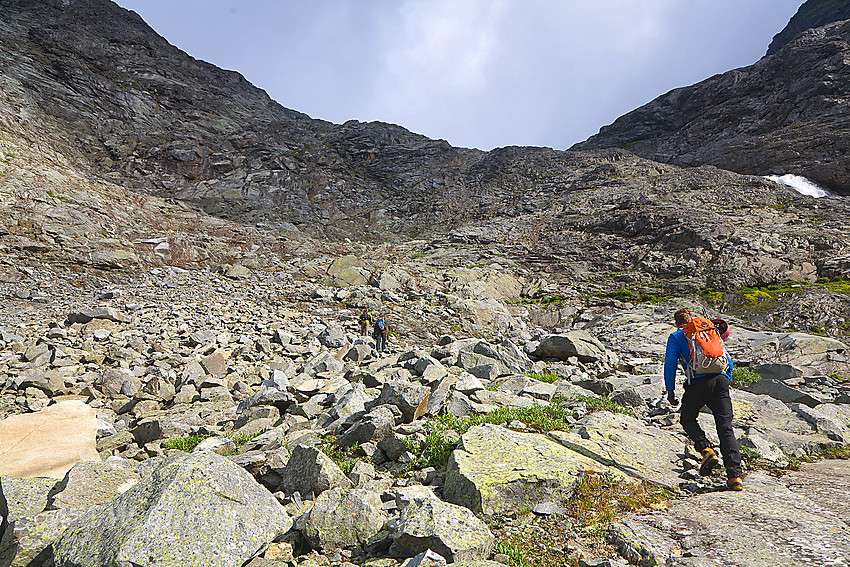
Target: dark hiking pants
712	391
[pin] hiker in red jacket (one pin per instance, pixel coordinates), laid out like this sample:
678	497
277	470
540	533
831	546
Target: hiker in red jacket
708	368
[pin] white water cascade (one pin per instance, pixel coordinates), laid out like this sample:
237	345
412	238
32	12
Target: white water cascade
800	185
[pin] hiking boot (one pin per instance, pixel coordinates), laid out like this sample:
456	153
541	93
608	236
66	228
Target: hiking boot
734	484
709	461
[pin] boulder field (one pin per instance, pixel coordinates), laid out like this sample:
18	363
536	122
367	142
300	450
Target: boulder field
188	427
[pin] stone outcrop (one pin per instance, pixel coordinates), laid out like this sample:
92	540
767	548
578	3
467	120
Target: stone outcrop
783	114
780	513
812	14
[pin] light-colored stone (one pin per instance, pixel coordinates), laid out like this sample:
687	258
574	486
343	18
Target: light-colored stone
50	442
344	518
452	531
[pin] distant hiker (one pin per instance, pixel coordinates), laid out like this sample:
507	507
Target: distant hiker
708	368
365	321
380	333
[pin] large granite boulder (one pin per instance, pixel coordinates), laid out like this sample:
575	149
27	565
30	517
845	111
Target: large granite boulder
627	444
41	508
495	470
196	509
344	518
579	344
452	531
48	442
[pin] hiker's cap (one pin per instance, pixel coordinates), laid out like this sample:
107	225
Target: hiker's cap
722	328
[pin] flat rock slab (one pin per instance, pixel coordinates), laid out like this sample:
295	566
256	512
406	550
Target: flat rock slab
495	470
798	519
49	442
625	443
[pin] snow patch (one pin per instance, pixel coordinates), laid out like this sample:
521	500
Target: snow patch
800	185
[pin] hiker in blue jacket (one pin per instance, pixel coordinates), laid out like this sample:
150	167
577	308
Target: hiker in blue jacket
381	332
710	390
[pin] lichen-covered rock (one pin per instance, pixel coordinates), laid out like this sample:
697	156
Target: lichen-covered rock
90	483
495	469
42	508
625	443
452	531
344	518
310	472
198	509
31	530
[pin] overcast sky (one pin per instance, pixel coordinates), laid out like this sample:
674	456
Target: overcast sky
477	73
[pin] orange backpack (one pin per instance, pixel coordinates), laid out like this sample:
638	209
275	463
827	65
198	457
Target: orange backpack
708	353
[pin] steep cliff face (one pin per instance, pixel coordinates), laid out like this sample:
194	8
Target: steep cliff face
787	113
812	14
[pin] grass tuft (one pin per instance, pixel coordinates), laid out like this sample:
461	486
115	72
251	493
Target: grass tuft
187	443
741	376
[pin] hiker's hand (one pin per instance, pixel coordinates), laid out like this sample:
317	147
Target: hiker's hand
671	397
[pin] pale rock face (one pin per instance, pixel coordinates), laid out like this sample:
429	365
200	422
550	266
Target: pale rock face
29	446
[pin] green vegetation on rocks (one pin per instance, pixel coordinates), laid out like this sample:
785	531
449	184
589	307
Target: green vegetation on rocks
544	376
741	376
187	443
343	457
598	498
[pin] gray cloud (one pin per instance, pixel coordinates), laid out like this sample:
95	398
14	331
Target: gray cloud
478	73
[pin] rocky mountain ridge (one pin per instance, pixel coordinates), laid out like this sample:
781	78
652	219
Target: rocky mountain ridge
786	113
812	14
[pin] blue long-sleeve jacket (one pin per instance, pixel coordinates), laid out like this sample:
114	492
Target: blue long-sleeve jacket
678	351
